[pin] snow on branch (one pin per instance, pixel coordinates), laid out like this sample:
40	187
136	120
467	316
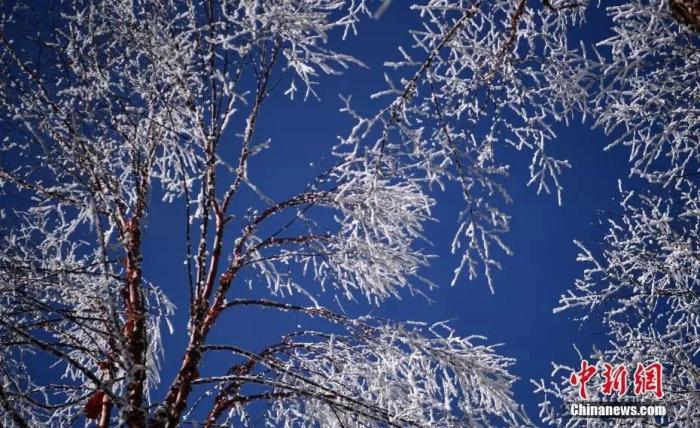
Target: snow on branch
476	88
643	284
369	372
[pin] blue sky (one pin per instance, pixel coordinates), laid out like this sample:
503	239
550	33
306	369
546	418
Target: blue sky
527	289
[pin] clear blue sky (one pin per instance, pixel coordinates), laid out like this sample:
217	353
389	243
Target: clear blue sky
542	268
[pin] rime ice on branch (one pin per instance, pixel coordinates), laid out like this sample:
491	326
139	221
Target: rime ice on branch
641	282
107	103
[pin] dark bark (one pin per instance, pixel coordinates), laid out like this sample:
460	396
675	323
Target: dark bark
686	12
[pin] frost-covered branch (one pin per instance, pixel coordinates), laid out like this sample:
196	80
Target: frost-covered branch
643	285
477	87
369	372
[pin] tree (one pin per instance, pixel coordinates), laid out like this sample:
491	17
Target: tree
108	103
108	100
641	281
644	286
